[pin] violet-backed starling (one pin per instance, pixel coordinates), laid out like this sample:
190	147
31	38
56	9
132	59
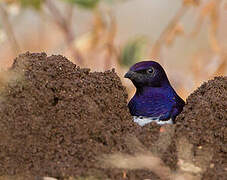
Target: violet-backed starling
155	100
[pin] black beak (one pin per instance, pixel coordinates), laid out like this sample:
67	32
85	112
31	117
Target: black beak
129	74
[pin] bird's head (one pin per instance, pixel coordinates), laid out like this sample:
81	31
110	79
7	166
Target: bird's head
147	74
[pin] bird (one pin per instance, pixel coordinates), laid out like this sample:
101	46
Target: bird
155	100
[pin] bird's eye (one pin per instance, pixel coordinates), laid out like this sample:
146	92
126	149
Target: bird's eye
150	71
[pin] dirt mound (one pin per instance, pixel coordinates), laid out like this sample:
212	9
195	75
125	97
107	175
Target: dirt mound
203	123
59	118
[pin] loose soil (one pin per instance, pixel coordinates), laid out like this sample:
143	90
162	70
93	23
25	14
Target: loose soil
203	123
58	120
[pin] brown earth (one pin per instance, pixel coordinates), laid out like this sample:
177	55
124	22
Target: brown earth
59	119
203	122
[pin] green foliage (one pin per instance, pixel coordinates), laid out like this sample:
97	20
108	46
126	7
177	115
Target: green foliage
87	4
132	51
36	4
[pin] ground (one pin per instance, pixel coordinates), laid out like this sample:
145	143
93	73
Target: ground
59	120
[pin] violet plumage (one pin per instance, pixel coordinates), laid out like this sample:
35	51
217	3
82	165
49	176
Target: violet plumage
155	99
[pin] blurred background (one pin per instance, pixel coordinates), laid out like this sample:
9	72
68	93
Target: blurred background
188	37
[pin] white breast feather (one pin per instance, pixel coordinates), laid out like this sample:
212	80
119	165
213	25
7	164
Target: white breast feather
142	121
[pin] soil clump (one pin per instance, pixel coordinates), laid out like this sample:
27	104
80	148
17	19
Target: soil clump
203	122
59	119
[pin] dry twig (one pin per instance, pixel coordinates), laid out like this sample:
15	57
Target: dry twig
172	24
64	25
